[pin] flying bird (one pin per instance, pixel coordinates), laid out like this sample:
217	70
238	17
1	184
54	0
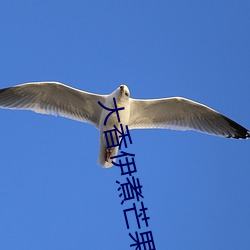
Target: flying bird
175	113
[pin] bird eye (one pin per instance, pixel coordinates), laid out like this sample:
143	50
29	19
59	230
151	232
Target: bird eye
126	93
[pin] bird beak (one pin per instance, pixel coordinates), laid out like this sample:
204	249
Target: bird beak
122	88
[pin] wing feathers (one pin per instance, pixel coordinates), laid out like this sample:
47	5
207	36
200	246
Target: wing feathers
182	114
53	98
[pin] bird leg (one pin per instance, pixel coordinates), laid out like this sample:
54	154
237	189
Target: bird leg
108	154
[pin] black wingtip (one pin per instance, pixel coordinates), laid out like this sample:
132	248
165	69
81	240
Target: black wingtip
239	131
3	90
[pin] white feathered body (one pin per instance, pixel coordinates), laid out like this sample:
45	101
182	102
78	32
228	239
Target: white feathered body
111	121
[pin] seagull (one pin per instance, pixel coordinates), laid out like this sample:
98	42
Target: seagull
175	113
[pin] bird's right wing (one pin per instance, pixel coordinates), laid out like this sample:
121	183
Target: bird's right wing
182	114
53	98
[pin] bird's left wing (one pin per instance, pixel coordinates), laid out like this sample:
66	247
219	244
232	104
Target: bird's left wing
53	98
182	114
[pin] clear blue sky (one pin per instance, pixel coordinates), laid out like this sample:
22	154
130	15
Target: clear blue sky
54	195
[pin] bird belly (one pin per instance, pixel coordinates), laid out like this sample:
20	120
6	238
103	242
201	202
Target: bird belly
105	153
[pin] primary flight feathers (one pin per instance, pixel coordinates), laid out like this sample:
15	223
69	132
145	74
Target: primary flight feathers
168	113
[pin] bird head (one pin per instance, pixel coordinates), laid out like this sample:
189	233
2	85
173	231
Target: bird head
124	91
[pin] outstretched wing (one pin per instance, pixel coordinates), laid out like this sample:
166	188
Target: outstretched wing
53	98
182	114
